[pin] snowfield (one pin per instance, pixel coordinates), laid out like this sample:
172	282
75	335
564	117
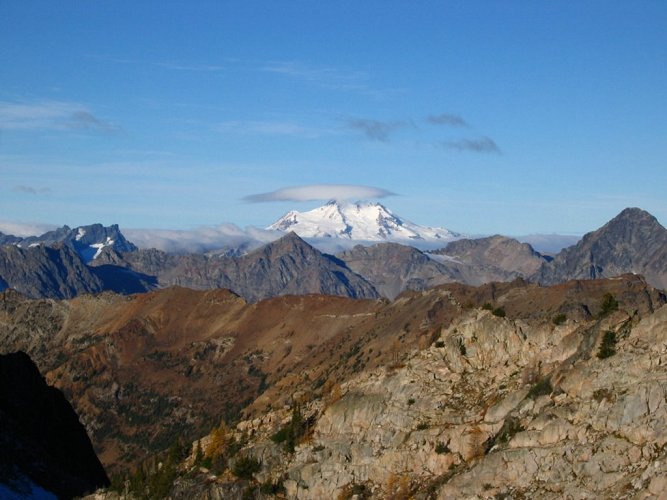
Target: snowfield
363	221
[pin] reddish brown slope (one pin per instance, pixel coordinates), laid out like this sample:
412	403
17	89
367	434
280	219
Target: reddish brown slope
146	369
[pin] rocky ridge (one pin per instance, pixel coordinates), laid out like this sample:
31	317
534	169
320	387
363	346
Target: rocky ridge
144	369
394	268
495	407
286	266
494	258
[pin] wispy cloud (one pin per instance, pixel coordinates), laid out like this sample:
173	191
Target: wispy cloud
375	130
282	128
320	192
87	121
31	190
190	67
447	119
330	78
325	76
53	115
480	145
170	65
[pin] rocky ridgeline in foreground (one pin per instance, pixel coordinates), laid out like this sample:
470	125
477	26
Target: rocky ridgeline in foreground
498	406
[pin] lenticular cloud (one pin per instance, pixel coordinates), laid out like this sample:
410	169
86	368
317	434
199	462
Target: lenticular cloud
320	192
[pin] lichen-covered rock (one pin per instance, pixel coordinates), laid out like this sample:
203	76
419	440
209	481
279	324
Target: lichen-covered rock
495	407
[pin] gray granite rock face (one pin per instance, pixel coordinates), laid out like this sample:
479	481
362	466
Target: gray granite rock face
469	423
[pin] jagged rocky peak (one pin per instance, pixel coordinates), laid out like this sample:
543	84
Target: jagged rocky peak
55	271
632	223
290	244
363	220
632	242
88	241
292	266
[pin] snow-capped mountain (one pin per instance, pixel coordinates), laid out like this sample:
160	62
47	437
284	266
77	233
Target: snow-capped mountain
87	241
361	221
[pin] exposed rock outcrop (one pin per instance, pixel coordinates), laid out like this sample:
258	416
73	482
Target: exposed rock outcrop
145	369
517	405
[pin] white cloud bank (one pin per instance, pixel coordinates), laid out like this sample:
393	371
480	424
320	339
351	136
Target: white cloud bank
24	229
201	239
315	192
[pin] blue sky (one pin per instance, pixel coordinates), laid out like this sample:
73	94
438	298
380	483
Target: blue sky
483	117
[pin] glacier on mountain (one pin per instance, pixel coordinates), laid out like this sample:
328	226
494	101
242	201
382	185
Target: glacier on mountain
360	221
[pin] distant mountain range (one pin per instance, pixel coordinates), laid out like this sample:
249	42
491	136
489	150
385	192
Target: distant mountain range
87	241
90	259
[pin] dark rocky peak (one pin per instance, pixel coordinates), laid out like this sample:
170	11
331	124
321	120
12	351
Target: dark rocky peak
632	225
290	244
290	266
290	240
42	439
47	271
635	214
632	242
629	236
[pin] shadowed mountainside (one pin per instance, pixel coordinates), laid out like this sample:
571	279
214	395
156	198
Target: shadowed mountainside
44	271
42	439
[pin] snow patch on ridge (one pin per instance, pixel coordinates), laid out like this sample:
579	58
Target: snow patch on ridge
94	250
